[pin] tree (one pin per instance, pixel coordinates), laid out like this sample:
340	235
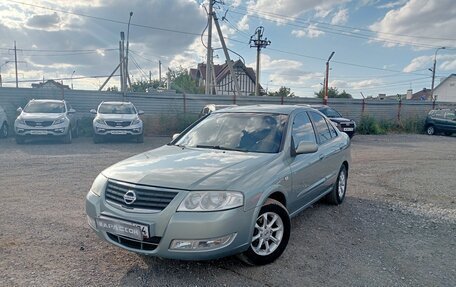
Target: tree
282	92
182	82
145	86
333	93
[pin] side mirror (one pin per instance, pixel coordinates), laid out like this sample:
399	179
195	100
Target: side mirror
306	147
175	136
71	111
140	112
93	111
19	110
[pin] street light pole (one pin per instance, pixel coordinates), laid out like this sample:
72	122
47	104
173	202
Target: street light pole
325	98
433	71
71	79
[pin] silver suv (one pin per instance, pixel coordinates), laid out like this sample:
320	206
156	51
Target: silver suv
117	119
50	118
3	124
228	184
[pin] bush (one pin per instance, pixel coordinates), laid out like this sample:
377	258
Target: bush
370	126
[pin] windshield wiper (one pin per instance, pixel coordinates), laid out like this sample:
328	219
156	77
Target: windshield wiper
219	147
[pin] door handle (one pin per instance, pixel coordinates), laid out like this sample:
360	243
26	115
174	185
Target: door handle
322	157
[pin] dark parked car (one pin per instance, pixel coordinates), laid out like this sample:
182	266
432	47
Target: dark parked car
443	120
343	124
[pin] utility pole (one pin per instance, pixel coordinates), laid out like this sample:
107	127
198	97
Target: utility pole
15	64
209	48
258	43
228	60
325	98
433	71
150	77
121	63
159	71
127	74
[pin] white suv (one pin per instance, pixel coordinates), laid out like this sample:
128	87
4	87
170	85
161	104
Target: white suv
117	119
3	124
54	118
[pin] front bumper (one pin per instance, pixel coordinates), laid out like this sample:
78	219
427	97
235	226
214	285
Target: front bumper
104	130
52	130
169	225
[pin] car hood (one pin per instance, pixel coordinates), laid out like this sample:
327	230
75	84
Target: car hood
188	168
339	120
40	116
117	117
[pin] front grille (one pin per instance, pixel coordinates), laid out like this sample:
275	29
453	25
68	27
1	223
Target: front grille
118	123
147	197
346	124
147	244
39	123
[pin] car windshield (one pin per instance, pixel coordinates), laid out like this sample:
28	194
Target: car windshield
330	113
117	109
248	132
45	107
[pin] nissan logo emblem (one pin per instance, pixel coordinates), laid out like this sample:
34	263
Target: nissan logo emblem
129	197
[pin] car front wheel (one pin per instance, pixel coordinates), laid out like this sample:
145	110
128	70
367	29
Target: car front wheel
68	138
430	130
270	235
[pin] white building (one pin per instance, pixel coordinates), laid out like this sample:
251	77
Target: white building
446	90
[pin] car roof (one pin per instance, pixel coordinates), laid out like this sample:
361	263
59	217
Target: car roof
115	103
48	101
319	106
274	109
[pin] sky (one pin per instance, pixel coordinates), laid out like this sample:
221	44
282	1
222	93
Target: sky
380	46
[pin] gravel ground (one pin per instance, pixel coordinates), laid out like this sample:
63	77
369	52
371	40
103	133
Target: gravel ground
397	226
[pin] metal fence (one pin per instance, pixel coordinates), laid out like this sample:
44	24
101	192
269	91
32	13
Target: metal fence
169	104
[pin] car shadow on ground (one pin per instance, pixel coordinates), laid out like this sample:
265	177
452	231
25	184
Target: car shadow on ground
360	242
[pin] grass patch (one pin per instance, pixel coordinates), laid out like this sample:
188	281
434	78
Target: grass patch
371	126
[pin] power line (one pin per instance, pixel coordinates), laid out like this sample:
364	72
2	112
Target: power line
288	18
61	79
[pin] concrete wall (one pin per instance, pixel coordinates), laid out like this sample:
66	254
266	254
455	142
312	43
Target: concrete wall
173	104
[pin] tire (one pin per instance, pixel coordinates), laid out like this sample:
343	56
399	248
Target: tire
97	139
68	138
140	138
337	194
20	140
4	130
263	249
430	130
351	135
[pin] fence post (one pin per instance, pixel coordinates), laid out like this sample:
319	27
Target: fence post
399	111
281	100
185	103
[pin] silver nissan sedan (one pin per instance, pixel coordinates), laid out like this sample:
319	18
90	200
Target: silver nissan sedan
226	185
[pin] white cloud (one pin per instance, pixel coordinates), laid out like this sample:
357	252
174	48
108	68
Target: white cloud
355	85
340	17
418	19
447	63
243	24
311	31
390	5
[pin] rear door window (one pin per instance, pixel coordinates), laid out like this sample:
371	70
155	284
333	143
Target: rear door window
302	130
322	130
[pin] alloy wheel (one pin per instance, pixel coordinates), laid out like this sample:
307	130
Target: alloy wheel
268	233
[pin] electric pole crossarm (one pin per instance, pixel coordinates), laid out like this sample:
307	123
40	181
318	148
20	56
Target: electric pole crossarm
227	56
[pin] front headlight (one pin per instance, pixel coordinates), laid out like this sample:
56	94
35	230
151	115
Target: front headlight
99	184
136	121
20	121
59	121
211	201
99	121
